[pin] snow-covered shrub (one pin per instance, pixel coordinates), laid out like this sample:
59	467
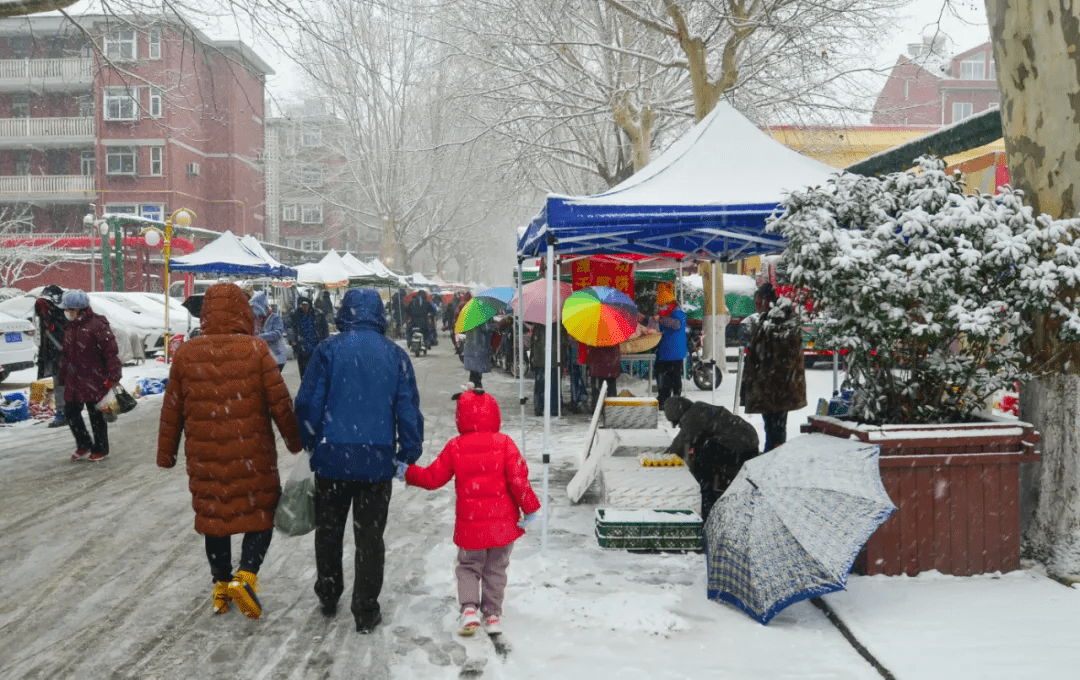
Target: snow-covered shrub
930	290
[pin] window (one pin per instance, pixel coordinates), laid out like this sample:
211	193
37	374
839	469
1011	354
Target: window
121	160
960	110
152	211
22	162
973	68
122	209
86	106
21	46
88	165
288	212
120	45
155	103
993	70
311	213
290	242
56	162
906	84
120	104
311	244
154	44
311	175
311	137
157	156
20	106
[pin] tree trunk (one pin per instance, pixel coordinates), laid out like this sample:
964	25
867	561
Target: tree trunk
1038	66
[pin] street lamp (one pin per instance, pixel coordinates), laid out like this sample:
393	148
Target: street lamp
181	217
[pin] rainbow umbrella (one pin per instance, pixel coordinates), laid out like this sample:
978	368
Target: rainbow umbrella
600	316
485	306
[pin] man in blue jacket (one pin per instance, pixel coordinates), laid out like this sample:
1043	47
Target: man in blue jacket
359	412
671	352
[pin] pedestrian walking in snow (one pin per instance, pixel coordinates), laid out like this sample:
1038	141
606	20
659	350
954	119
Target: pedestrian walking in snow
491	480
89	367
477	352
223	393
307	328
774	378
270	327
359	413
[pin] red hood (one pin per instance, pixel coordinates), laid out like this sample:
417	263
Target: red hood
477	413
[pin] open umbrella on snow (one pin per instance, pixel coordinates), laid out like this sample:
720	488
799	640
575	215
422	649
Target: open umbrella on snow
792	522
534	295
600	316
485	306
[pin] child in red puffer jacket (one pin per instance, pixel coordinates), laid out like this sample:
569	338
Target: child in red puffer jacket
491	480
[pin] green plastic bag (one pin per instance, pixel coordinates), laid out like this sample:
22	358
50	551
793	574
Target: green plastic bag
295	514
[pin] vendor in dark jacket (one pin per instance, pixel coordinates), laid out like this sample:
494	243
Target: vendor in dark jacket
307	328
710	439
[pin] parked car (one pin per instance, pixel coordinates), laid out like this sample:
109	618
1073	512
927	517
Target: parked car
18	350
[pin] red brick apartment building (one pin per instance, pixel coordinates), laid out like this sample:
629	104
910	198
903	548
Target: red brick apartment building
139	115
925	88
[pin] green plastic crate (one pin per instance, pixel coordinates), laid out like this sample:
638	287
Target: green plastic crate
648	529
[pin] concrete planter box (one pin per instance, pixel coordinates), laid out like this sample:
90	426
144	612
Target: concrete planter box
957	492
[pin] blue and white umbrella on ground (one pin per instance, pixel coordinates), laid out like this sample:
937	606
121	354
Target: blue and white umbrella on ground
792	522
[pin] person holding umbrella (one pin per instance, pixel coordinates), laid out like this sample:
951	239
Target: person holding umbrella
474	320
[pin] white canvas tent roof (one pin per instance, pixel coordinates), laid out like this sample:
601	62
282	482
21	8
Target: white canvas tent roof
329	272
228	255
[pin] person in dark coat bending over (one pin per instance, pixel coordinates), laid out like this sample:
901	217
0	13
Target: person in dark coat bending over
710	438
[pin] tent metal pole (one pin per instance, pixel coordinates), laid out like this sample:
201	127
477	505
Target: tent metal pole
520	353
558	352
712	329
549	317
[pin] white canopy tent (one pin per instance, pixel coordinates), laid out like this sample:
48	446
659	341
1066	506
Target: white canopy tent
329	272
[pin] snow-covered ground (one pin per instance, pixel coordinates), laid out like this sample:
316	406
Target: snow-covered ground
104	577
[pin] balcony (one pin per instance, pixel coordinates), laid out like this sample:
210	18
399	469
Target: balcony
41	133
47	74
46	189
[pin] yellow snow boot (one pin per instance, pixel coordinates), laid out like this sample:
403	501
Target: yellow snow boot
221	597
242	591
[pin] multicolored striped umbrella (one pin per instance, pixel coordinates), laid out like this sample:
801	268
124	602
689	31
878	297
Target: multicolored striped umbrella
485	306
600	316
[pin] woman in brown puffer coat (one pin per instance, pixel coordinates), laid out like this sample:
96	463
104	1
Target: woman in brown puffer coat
224	389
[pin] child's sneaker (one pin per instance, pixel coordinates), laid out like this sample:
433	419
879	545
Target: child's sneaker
242	591
221	597
80	454
470	621
492	625
96	456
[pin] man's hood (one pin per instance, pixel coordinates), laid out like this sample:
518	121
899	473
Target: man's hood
225	310
675	407
361	308
259	304
477	412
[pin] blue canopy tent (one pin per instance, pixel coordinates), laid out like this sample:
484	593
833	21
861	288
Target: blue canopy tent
228	255
706	197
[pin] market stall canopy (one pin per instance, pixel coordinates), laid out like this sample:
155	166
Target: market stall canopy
363	274
418	279
252	244
228	255
707	195
329	272
382	270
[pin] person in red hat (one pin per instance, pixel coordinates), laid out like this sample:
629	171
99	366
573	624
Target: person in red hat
493	492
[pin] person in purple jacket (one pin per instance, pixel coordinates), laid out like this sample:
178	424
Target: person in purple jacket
89	367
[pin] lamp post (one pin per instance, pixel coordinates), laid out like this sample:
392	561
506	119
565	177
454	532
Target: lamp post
88	222
181	217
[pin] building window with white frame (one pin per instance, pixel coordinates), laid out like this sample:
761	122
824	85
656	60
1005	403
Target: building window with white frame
961	110
153	50
157	160
311	137
311	175
121	209
120	104
311	244
121	45
311	213
288	212
155	103
20	105
121	160
973	68
88	164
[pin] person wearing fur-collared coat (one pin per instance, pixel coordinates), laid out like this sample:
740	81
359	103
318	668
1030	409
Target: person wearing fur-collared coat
774	378
225	393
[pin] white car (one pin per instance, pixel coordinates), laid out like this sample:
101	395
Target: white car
18	349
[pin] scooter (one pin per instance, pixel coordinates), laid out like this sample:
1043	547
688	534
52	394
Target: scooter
417	342
704	373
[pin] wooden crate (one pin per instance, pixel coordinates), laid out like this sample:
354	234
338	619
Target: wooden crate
957	493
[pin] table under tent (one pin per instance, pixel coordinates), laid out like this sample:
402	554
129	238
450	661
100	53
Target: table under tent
706	197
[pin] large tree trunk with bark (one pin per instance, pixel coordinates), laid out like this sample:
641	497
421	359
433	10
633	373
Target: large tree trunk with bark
1038	65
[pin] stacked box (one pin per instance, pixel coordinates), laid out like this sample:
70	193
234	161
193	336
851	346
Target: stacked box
648	529
40	390
628	484
631	413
